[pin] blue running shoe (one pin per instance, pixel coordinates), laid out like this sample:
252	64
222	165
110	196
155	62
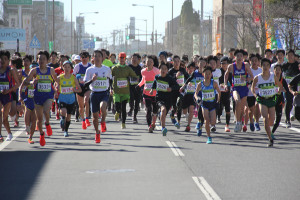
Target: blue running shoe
272	136
173	121
209	140
66	134
257	128
252	128
164	131
198	126
199	132
62	124
177	125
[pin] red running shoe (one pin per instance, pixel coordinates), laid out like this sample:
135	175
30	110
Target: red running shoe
87	122
57	116
30	141
244	128
49	130
103	127
97	138
83	125
42	140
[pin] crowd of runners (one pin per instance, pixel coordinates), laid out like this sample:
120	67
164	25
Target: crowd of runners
166	86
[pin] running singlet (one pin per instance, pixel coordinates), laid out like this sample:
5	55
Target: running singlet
236	78
66	89
198	76
208	92
24	89
191	86
44	87
5	81
266	88
82	70
216	75
255	73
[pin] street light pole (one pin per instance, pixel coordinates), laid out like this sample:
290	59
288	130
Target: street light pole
71	27
145	20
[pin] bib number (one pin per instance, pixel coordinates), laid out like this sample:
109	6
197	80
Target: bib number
122	83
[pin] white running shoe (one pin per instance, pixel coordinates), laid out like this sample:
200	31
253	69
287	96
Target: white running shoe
236	128
9	137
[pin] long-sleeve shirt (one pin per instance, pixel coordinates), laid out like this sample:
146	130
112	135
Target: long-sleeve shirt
148	79
121	75
161	84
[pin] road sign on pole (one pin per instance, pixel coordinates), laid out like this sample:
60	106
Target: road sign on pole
35	43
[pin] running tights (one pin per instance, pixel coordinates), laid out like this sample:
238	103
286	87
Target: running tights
121	108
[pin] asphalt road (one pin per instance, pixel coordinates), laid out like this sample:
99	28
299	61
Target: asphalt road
134	164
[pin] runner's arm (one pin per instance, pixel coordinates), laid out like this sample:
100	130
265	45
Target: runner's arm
253	86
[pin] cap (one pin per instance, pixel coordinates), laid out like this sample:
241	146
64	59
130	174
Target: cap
68	62
163	53
231	49
122	55
224	58
76	57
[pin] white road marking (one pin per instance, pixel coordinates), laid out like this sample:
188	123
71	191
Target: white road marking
206	189
175	148
15	135
292	128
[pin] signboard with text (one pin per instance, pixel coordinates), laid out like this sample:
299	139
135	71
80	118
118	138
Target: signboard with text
19	2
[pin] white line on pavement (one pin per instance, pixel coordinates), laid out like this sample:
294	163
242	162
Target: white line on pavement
15	135
175	148
205	188
292	128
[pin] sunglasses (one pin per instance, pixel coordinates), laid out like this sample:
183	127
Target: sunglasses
83	57
122	57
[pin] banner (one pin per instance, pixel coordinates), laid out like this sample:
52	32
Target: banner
27	27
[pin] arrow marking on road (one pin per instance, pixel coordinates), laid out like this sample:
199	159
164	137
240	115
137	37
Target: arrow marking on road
175	148
205	188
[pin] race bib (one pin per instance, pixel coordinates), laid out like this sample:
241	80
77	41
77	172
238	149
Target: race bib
66	90
208	95
30	93
180	80
162	86
238	81
270	92
134	80
191	88
288	79
122	82
44	86
101	83
148	85
4	86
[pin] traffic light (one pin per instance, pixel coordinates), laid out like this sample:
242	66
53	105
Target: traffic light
131	36
127	37
97	39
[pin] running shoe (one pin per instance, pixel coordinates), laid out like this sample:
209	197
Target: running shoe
150	129
177	125
199	131
66	134
213	128
134	120
117	115
271	142
209	140
219	120
9	137
288	125
272	136
1	138
129	114
62	124
236	128
48	130
252	128
292	118
257	128
164	131
227	129
42	140
16	124
83	125
173	120
30	141
244	128
241	127
187	128
36	128
57	116
87	122
198	125
97	138
123	126
103	127
153	126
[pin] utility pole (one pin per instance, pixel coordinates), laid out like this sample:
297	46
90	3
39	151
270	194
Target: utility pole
222	28
46	24
172	29
71	27
155	42
126	34
53	27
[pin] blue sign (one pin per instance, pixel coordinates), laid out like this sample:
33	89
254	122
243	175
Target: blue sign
88	44
35	43
11	34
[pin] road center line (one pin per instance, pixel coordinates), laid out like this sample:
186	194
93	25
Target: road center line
15	135
177	149
206	189
174	148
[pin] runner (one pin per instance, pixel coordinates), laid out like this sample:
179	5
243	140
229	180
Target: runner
280	53
241	75
148	75
267	84
294	87
44	92
208	98
280	98
107	62
55	64
6	87
290	70
253	106
135	92
100	77
162	58
164	84
68	84
225	93
121	93
83	101
179	74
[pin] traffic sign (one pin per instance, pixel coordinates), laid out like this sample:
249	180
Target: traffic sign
19	2
35	43
88	44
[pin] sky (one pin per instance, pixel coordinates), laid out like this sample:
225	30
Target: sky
115	14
